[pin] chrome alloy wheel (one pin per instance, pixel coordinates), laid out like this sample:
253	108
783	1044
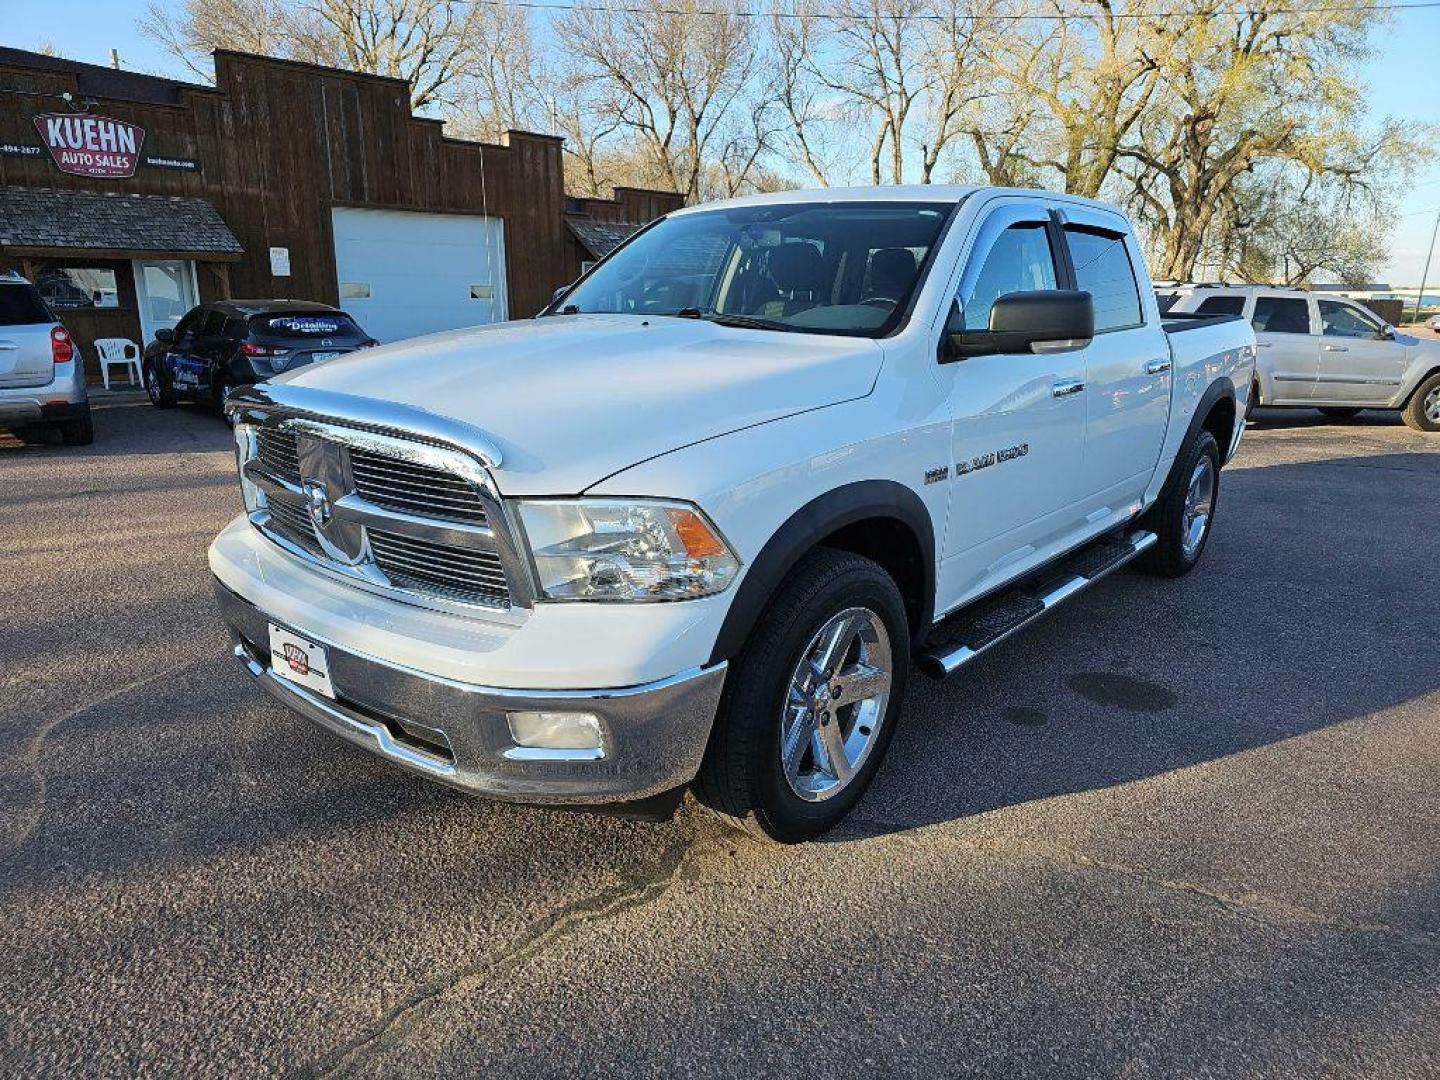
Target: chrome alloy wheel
835	704
1432	406
1199	504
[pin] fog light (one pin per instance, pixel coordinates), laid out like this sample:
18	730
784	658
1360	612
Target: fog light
556	730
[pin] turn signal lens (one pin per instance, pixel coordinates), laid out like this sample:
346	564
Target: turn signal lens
600	549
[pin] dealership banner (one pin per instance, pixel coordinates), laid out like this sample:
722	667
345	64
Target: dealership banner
87	145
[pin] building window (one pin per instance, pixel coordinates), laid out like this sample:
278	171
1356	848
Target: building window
354	290
66	288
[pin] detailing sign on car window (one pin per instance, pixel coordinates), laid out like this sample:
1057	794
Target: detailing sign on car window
305	324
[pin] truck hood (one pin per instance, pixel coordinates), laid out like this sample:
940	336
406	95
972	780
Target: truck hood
569	400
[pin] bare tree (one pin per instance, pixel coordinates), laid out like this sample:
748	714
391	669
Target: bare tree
429	43
1241	90
670	79
199	27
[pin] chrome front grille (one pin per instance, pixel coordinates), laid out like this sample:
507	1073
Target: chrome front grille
415	519
293	523
415	489
277	454
425	565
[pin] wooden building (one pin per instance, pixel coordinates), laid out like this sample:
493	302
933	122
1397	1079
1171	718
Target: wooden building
128	198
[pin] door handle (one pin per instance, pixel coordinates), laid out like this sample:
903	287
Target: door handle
1337	348
8	346
1263	344
1155	367
1066	387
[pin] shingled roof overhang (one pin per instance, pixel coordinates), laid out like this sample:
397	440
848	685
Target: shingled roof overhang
36	221
600	238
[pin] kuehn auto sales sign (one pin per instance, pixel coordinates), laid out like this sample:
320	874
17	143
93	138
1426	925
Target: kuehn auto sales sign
91	145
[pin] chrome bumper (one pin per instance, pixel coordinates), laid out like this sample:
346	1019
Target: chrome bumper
457	733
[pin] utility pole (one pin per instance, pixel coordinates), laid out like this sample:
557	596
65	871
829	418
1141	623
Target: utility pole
1420	296
115	59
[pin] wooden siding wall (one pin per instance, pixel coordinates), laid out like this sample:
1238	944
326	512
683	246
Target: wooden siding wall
280	143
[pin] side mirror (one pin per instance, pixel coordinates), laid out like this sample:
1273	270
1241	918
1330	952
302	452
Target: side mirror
165	334
1047	320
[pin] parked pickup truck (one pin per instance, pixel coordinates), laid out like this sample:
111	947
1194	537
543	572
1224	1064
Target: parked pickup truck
690	526
1328	353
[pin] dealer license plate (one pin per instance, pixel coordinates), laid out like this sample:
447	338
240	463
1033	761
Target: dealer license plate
300	661
321	357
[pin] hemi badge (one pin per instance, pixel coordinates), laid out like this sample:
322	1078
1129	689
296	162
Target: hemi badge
934	476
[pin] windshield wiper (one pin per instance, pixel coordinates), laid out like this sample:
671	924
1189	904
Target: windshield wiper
719	318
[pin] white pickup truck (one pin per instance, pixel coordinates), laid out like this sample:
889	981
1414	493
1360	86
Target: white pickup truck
690	526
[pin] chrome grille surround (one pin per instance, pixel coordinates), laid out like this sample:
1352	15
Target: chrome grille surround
438	536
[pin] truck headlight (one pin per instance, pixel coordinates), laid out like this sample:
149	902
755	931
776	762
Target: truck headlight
632	549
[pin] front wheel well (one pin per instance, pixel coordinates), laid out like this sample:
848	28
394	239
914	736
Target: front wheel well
1419	383
894	545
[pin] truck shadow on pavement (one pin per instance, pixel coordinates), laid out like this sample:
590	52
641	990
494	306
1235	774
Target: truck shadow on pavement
1313	607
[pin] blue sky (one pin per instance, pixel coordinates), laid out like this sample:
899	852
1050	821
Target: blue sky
1400	77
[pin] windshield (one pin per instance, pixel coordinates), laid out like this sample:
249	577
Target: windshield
832	268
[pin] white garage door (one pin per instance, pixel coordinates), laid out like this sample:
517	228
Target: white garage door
403	274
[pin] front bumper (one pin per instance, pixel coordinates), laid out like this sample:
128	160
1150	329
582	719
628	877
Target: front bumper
457	733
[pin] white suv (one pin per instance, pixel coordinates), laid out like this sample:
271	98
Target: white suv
1328	352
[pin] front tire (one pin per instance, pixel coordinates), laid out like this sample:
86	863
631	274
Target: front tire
1422	411
160	396
1183	518
810	705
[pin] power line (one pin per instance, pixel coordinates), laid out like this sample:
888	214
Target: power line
621	9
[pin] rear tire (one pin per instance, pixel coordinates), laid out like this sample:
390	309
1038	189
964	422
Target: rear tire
1183	518
79	431
1422	411
1336	412
155	389
777	699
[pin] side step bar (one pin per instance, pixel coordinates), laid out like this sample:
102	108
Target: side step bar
966	635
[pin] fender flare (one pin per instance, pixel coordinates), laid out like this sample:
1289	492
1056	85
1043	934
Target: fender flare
1220	388
804	530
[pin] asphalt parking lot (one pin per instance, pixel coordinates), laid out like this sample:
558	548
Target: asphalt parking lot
1182	828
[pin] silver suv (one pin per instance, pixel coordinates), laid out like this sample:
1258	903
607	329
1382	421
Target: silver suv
42	376
1328	353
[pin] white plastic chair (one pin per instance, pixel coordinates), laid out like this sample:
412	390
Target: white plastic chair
118	350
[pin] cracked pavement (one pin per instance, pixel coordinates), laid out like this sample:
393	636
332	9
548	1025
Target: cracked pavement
1179	829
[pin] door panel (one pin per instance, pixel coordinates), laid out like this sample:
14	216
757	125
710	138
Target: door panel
1288	347
1017	436
1358	361
1127	371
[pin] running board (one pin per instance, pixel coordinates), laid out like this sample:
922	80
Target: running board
965	636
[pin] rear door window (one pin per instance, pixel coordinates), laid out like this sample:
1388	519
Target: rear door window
20	305
1222	305
214	324
1102	268
1281	315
